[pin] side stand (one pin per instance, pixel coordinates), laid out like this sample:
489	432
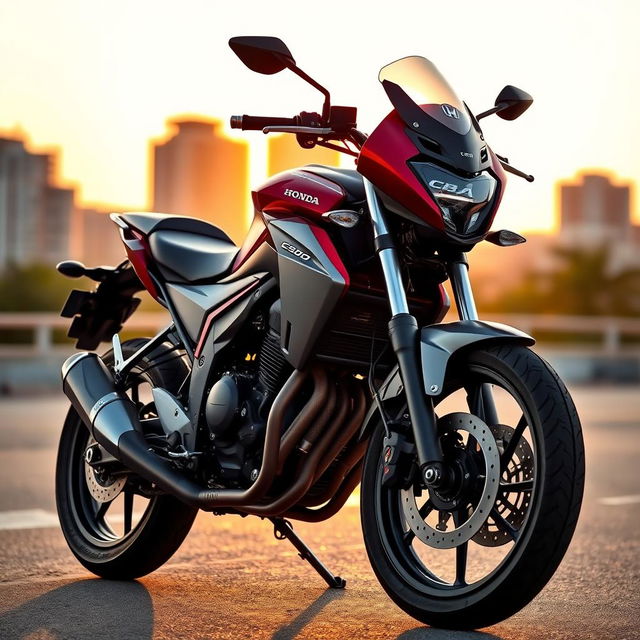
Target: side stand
282	529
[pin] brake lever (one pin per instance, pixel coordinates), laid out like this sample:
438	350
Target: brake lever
298	129
511	169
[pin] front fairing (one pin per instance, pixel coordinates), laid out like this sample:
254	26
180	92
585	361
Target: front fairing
431	158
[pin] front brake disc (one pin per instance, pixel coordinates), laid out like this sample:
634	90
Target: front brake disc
464	531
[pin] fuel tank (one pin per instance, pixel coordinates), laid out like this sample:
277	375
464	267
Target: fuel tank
300	192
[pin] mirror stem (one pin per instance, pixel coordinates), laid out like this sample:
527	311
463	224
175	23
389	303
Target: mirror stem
490	112
326	107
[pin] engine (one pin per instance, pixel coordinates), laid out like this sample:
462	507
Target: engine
238	404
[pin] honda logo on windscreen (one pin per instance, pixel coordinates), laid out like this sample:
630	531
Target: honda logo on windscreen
450	112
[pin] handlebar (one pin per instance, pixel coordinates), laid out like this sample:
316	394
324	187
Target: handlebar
258	123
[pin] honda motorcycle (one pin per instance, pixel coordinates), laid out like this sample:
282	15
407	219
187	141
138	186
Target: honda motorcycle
314	358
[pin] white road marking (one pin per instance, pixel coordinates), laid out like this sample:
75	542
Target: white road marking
618	501
27	519
40	519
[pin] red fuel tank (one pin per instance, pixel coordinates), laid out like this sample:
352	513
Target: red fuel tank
299	192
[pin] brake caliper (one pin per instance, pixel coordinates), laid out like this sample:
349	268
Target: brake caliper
398	461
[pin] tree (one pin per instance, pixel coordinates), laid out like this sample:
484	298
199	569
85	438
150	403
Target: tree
583	284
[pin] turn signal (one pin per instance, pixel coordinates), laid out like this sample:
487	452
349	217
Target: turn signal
344	218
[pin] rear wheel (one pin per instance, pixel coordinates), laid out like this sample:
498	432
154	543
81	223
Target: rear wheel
113	529
478	552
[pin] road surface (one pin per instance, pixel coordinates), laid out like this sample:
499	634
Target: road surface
232	579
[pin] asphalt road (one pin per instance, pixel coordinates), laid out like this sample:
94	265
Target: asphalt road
232	579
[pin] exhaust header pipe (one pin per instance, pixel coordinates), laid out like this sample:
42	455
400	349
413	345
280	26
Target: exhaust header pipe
113	421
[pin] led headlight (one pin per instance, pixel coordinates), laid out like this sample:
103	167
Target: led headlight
462	200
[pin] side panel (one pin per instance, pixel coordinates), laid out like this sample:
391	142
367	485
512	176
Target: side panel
194	301
312	280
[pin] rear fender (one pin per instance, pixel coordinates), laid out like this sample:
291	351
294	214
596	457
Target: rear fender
438	342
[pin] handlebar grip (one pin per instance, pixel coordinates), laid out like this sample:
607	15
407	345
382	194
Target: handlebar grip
258	123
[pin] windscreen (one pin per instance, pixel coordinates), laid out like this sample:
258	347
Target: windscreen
426	86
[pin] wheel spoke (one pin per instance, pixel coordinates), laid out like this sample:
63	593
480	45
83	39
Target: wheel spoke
425	509
516	487
135	396
128	510
408	536
489	406
505	525
480	402
513	443
461	556
103	507
474	401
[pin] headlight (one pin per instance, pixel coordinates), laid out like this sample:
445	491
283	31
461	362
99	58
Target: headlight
462	201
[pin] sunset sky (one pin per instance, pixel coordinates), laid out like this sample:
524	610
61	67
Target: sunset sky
99	79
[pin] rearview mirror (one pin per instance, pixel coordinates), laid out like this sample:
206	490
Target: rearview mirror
263	54
512	102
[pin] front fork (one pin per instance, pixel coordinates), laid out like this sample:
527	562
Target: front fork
404	336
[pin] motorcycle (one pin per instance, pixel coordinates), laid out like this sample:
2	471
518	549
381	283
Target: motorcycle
314	358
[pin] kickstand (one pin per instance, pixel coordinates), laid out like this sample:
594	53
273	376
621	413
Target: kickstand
283	529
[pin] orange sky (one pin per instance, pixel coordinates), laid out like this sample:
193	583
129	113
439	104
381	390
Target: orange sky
100	79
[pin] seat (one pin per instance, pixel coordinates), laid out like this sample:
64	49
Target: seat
349	179
185	249
148	222
191	257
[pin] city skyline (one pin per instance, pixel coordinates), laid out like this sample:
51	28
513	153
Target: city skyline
47	223
282	152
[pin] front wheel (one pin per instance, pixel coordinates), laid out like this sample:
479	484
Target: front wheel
475	553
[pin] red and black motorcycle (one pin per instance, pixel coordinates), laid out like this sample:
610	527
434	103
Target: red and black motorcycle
314	358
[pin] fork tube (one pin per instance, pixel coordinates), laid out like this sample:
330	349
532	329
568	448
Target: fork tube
403	332
462	291
386	253
466	305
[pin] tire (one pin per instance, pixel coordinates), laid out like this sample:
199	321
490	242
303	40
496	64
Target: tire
548	510
165	522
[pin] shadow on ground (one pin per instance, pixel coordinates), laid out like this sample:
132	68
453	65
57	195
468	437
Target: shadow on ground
83	609
98	609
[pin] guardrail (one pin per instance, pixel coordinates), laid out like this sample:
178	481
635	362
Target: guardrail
43	324
610	329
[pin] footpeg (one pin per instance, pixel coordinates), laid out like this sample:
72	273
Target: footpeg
282	529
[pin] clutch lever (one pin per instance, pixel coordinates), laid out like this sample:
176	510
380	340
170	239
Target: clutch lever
511	169
318	131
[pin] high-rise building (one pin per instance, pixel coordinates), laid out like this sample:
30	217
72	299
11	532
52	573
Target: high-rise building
593	211
199	172
35	214
285	153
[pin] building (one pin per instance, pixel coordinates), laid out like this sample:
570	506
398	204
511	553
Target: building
35	214
595	212
285	153
199	172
